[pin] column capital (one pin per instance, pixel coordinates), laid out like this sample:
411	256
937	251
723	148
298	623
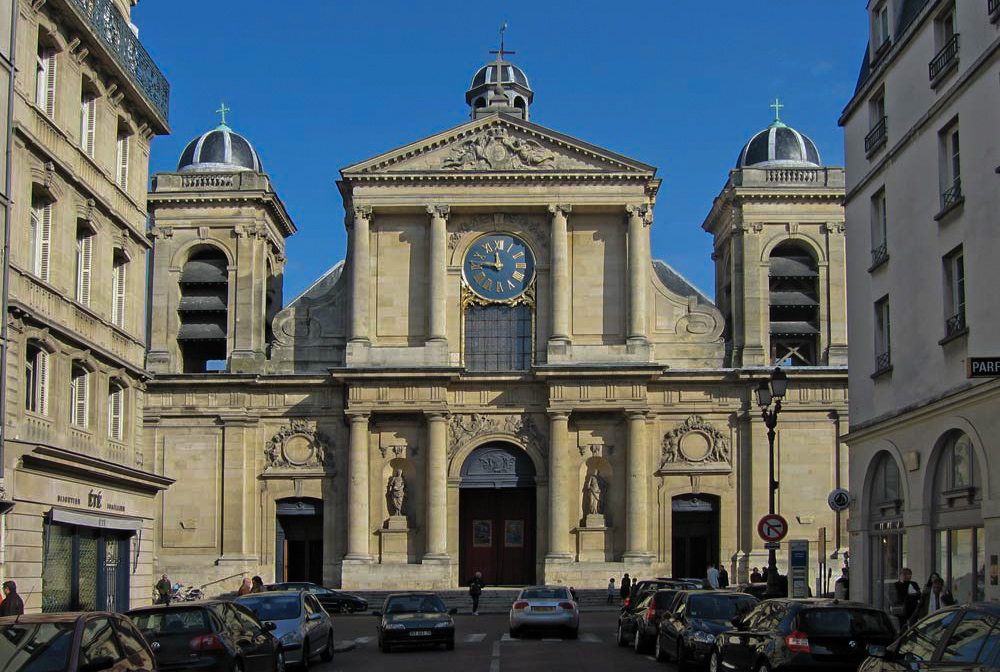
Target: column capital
439	211
436	416
640	210
358	416
634	413
362	211
558	415
558	207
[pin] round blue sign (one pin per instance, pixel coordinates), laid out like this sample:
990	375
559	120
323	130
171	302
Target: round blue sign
499	266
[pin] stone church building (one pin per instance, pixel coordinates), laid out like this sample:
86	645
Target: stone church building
499	377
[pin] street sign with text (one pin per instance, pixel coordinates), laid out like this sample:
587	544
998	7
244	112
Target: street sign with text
982	367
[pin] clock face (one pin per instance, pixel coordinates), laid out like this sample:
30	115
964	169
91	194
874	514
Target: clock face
499	266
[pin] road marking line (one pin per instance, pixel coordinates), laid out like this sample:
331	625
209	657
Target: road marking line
363	640
651	658
589	637
552	639
495	660
506	638
477	637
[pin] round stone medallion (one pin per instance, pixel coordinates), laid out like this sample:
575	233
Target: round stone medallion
695	446
298	449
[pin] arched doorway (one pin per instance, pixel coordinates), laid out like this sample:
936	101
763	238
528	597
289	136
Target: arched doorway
695	533
886	532
497	516
299	540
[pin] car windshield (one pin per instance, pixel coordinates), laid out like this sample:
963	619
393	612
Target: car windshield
171	621
35	647
719	607
850	622
272	607
411	604
545	594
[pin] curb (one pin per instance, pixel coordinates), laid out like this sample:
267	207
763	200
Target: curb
344	645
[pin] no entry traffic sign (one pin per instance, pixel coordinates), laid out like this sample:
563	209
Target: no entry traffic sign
772	527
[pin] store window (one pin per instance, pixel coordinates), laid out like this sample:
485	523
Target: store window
84	569
959	538
887	536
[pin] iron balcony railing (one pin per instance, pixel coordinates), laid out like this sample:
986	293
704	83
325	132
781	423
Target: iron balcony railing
951	196
944	58
954	324
877	135
880	254
883	361
114	31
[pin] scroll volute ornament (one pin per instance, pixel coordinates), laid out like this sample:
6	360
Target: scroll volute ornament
298	446
695	441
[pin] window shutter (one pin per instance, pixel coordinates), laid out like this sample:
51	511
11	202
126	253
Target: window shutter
50	85
81	400
44	240
84	269
88	124
115	403
42	381
123	142
118	294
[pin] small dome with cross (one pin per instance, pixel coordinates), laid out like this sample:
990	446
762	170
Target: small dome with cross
779	145
499	86
219	150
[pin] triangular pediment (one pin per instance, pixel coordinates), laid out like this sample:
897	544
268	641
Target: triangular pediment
499	144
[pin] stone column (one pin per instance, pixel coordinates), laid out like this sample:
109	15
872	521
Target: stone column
360	274
635	533
560	274
638	270
437	324
558	502
358	496
437	488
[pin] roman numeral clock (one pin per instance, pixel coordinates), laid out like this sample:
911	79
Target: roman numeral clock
499	267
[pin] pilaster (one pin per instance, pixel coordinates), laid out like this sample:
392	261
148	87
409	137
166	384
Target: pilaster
437	489
559	548
639	217
358	495
437	327
560	276
360	274
636	537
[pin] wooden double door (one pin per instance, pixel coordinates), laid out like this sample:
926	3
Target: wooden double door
497	535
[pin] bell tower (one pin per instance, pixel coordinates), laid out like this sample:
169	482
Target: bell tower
499	86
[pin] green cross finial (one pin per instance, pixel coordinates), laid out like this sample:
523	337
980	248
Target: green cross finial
222	111
776	106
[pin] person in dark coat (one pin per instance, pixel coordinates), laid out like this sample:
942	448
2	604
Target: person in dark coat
932	599
256	585
12	605
755	576
723	577
905	594
476	586
625	588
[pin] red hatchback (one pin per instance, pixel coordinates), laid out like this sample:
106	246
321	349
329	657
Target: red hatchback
74	642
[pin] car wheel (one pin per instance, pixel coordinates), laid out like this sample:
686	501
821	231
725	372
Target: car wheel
639	643
237	666
514	633
279	661
660	653
342	608
622	639
306	656
762	666
327	654
574	633
386	646
713	661
681	655
450	644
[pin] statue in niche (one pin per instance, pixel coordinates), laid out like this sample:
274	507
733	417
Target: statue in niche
395	492
595	490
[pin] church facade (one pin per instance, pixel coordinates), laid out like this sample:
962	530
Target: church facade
499	377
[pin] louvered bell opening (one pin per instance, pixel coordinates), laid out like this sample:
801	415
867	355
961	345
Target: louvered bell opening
792	298
205	271
211	303
204	331
796	328
792	267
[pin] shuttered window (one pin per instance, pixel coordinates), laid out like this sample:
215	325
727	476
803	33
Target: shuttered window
79	395
84	264
119	274
116	410
36	379
40	237
45	81
88	122
122	161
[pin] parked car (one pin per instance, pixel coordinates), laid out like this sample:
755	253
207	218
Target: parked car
641	623
955	639
640	588
73	642
687	634
756	589
791	634
415	618
544	608
301	624
334	601
209	635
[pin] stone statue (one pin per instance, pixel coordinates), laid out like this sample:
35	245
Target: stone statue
594	492
395	492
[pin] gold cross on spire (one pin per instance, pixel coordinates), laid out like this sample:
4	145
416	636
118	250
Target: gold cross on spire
222	111
500	52
776	106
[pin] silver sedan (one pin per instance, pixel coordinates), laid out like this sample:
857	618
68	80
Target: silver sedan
301	625
544	608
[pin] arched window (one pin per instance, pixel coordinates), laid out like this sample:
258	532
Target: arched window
203	311
793	281
79	396
498	337
84	262
887	536
116	411
36	379
959	542
480	102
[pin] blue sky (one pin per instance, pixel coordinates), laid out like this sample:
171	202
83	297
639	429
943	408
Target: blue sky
317	86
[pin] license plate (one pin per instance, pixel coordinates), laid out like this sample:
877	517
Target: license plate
420	633
543	608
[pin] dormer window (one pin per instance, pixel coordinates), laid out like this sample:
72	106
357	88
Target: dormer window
881	38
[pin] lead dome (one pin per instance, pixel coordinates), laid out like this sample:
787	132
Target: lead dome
219	150
779	145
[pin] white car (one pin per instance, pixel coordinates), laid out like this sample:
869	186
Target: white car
545	608
301	624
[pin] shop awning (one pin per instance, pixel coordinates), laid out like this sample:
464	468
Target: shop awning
86	519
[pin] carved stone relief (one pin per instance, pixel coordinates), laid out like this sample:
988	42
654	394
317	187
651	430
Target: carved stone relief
497	149
464	427
297	446
695	441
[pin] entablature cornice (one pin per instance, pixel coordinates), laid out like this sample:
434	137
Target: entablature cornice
49	459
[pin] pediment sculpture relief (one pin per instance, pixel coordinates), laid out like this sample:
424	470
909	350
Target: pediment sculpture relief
497	149
297	446
695	442
464	427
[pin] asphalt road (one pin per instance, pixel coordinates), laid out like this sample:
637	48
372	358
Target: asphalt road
482	644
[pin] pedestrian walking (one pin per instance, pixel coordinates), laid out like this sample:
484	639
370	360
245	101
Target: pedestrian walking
476	586
904	597
712	576
932	599
12	605
257	585
163	590
572	593
626	586
755	576
723	577
612	591
842	586
245	586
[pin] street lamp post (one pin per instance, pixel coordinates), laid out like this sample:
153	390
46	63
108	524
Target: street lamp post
768	391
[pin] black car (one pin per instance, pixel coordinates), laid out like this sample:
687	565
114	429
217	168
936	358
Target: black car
415	618
955	639
687	634
334	601
641	623
209	635
641	588
791	634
